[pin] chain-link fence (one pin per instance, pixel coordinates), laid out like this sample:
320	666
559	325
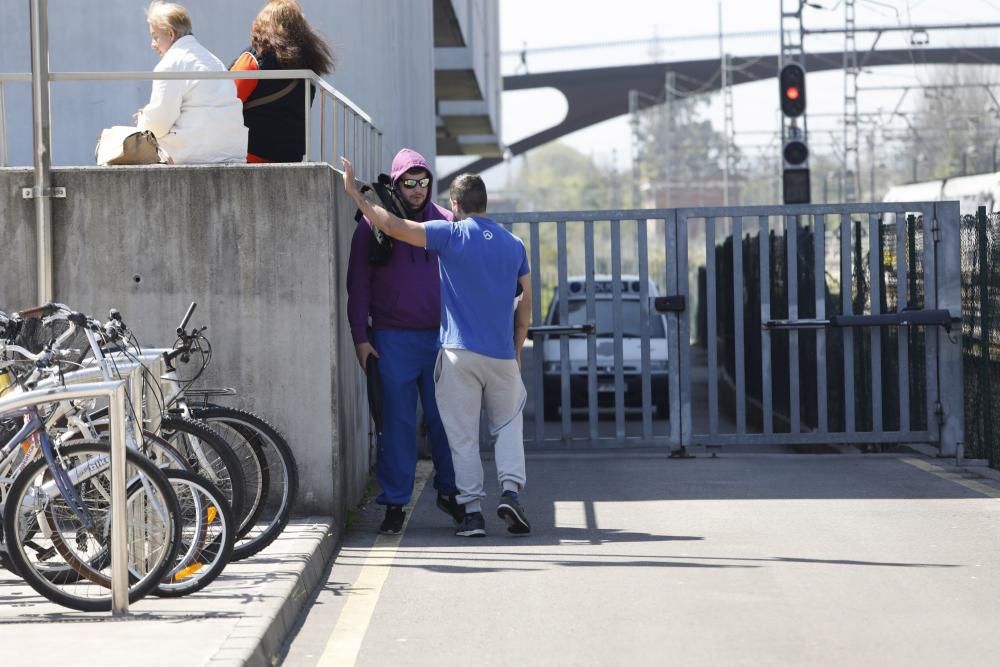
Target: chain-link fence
981	333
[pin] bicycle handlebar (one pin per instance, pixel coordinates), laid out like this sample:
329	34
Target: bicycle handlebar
187	317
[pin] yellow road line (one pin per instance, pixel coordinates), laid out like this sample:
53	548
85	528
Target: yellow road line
953	475
344	644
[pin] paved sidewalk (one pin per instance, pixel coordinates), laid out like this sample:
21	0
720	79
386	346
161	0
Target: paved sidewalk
241	618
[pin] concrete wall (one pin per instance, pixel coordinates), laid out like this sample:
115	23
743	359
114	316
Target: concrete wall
479	20
263	250
385	54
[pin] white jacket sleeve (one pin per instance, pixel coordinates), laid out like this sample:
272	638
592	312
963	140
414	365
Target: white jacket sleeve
164	107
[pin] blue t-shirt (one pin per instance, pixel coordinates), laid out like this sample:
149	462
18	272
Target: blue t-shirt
480	263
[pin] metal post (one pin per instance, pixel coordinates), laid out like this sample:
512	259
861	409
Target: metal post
633	110
985	389
308	121
42	146
322	128
119	524
3	131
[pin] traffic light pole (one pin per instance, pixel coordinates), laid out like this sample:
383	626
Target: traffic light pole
794	129
850	170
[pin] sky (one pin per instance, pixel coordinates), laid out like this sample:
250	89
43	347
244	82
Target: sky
543	24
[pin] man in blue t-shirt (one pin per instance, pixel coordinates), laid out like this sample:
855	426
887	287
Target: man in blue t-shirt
482	267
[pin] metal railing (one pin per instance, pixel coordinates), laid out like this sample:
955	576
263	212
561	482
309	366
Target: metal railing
351	131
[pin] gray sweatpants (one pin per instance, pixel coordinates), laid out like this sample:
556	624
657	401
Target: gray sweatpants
464	383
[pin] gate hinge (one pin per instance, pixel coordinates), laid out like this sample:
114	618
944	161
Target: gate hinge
939	411
32	193
935	230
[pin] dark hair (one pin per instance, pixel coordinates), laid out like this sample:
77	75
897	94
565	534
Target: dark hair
281	28
470	192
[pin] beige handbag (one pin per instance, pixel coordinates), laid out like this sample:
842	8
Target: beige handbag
124	144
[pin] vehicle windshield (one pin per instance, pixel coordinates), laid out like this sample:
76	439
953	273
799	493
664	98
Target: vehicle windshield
605	320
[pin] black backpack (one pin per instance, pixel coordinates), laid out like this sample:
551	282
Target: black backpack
380	245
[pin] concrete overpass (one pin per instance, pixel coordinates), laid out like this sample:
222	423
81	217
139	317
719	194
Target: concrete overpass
599	94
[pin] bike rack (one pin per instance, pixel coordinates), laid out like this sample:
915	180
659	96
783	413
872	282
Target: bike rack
115	392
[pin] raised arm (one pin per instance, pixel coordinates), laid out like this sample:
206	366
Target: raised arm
407	231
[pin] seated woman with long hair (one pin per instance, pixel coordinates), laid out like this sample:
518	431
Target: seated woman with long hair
274	109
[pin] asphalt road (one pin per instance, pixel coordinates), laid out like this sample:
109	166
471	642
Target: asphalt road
636	559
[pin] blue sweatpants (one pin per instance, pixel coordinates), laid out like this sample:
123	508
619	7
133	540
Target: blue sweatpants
406	366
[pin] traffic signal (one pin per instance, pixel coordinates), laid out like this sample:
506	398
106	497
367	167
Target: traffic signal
795	186
794	151
792	80
795	174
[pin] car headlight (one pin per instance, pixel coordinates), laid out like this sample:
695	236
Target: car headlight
550	367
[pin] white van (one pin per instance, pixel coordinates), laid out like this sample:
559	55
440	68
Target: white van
604	331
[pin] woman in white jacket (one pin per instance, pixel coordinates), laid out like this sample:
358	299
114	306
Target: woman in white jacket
196	121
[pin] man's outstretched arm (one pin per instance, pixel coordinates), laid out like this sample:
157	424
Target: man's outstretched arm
407	231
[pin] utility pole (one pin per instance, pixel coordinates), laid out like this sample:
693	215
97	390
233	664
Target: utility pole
871	156
633	110
669	95
728	126
725	86
850	167
791	83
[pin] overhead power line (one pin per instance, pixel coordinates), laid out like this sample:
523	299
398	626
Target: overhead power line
748	34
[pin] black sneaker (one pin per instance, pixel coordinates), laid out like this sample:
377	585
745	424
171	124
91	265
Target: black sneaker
450	506
392	524
473	525
513	514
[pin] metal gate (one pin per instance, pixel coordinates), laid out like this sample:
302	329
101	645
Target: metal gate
753	325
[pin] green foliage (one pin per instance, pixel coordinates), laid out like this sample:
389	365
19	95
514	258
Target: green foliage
557	177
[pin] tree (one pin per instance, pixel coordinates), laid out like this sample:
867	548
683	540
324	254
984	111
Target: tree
682	155
557	177
952	131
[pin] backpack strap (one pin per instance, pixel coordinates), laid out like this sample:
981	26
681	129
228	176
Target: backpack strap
273	97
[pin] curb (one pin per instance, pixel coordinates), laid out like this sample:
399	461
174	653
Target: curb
257	641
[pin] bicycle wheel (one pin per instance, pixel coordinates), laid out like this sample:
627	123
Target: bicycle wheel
153	447
44	532
255	480
209	456
279	475
207	535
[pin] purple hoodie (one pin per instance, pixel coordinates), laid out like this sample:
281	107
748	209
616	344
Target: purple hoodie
405	292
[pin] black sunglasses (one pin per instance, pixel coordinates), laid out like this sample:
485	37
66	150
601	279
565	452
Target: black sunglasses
410	183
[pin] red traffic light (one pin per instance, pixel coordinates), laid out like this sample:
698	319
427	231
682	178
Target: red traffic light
792	80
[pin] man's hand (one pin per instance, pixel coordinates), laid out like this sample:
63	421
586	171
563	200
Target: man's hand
350	185
363	350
